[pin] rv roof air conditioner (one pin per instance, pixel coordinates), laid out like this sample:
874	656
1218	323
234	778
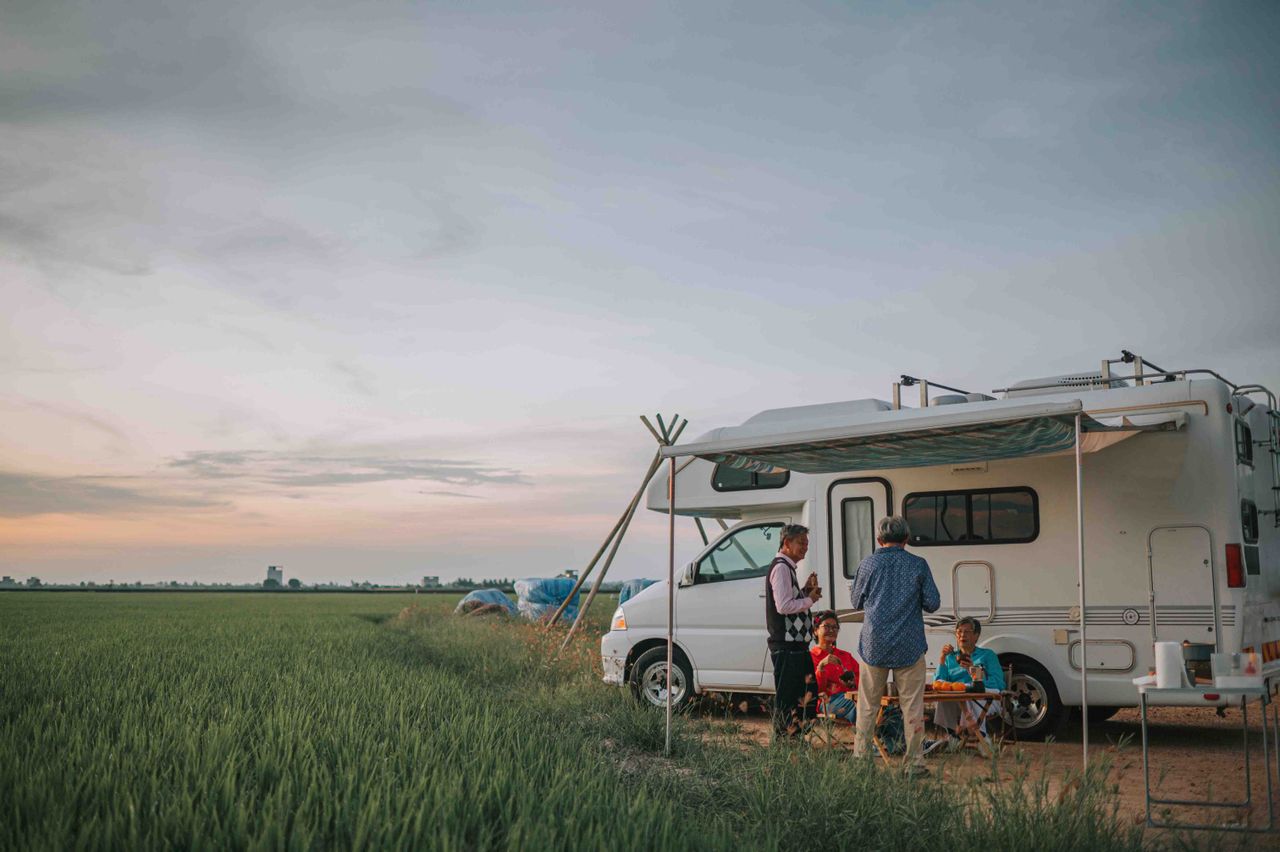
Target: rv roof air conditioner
811	413
958	398
1060	384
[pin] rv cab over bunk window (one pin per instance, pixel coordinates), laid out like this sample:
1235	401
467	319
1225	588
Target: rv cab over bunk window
977	516
726	478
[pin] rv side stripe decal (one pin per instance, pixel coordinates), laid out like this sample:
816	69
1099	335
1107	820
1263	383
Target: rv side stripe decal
1179	616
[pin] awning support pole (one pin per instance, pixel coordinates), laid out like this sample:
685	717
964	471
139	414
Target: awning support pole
702	531
671	592
1084	636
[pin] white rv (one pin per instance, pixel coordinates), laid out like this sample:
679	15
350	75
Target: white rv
1181	540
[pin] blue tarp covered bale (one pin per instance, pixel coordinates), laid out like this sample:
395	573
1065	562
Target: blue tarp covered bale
537	599
631	587
485	601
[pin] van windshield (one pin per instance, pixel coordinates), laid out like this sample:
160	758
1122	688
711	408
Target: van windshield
746	552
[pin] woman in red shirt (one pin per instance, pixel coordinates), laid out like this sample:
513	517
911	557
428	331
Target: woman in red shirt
837	670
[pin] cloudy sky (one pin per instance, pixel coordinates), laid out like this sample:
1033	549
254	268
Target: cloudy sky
378	289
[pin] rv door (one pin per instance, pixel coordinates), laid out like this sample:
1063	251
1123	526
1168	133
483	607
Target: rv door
854	506
1183	598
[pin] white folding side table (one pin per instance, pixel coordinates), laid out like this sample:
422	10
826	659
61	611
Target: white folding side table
1213	696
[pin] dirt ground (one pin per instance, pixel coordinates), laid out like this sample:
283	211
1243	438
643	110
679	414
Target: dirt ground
1194	755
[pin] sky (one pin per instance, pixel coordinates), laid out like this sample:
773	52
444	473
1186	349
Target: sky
375	290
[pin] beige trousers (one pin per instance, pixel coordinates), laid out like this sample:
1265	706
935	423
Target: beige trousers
871	685
949	714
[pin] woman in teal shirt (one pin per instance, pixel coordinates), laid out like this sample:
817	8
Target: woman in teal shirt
957	666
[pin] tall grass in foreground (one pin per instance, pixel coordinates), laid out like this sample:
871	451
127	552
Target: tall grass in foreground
295	721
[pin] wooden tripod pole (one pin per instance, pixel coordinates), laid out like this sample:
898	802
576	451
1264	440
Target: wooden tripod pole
669	437
604	569
613	535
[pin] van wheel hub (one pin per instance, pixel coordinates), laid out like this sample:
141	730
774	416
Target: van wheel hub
654	683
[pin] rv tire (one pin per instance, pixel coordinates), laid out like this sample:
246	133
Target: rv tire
649	680
1037	709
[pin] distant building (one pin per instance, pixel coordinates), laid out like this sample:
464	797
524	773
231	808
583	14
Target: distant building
430	582
275	572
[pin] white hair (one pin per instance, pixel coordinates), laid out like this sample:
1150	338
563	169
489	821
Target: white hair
893	530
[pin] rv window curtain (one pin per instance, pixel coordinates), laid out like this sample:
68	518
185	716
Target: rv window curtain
859	531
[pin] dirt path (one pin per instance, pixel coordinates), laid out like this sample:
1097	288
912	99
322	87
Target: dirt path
1194	755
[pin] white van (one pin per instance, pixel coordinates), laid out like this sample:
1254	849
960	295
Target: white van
1181	543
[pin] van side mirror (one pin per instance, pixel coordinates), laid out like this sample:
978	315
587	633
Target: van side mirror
686	576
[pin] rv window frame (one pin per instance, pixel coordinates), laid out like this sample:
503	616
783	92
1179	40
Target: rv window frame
706	554
1244	442
968	513
755	481
844	532
1249	521
831	538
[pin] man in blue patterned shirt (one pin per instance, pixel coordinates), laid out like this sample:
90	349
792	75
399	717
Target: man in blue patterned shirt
893	588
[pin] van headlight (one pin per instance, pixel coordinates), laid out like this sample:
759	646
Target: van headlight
619	620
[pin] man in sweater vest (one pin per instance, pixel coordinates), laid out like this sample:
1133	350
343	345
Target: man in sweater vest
786	612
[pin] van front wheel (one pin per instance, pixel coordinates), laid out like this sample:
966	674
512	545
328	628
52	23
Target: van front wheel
649	681
1036	707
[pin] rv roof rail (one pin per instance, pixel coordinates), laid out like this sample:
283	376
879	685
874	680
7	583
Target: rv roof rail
1170	375
1246	390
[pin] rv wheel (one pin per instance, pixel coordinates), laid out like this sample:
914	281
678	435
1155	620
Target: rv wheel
1037	709
649	679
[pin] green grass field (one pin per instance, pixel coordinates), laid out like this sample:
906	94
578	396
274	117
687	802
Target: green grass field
296	721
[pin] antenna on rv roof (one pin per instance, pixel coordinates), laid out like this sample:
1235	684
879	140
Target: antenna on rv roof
665	434
925	384
1140	365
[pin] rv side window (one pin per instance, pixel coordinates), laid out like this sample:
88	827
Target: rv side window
747	552
859	532
1249	521
726	478
979	516
1244	443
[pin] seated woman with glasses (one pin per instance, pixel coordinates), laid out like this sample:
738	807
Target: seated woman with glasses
836	668
959	665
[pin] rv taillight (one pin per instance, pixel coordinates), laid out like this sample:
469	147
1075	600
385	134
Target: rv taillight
1235	567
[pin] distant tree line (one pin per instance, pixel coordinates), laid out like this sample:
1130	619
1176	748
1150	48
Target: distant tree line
462	584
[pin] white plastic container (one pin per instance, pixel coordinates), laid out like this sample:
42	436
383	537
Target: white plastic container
1242	669
1171	671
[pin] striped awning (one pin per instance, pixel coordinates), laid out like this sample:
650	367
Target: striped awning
885	440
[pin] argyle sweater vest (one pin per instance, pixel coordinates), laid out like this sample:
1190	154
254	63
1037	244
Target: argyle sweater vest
796	628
